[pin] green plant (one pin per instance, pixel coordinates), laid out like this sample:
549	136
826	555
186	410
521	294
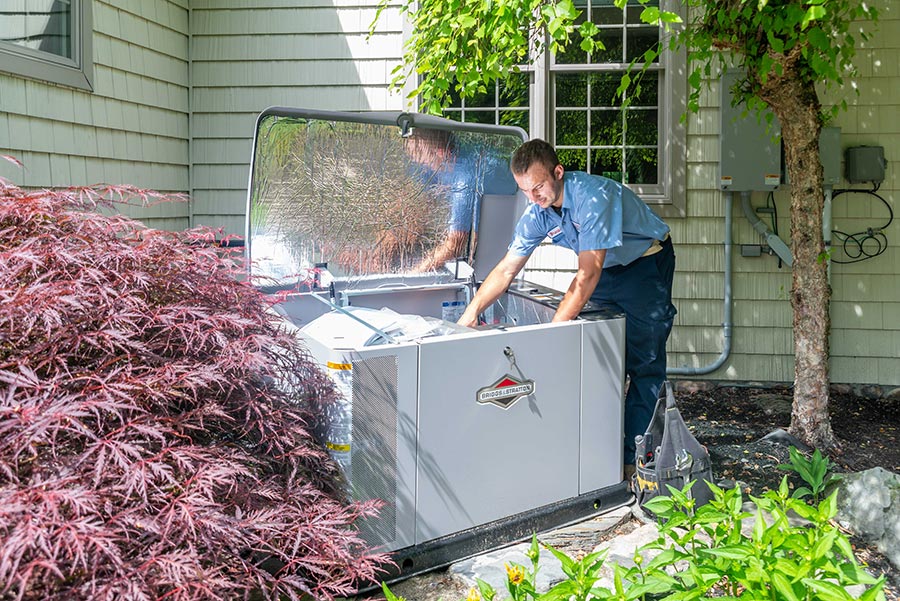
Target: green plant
813	471
712	552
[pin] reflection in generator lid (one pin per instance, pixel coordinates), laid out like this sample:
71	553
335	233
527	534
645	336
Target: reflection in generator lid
347	189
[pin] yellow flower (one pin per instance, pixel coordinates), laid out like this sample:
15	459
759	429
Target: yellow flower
516	574
473	595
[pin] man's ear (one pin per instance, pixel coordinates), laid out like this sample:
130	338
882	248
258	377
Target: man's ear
558	172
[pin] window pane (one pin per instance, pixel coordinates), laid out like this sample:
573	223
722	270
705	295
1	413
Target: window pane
574	54
643	127
607	14
612	42
514	89
640	40
479	117
482	99
455	100
44	25
648	95
517	118
642	165
572	159
606	127
571	89
603	89
571	128
607	162
455	115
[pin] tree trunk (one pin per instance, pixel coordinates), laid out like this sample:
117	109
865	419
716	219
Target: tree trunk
795	103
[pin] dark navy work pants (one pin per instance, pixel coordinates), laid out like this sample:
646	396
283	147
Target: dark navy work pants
642	290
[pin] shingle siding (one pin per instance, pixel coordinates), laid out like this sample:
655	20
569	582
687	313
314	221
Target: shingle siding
132	129
248	56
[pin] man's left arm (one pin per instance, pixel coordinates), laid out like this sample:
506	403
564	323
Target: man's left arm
590	266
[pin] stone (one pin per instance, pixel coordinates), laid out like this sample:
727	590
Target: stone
869	506
491	566
893	395
621	551
842	389
871	391
775	404
692	386
432	586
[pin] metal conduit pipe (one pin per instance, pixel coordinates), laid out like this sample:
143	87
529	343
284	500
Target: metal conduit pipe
775	243
726	325
826	227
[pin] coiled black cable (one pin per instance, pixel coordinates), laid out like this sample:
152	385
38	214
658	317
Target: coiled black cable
867	244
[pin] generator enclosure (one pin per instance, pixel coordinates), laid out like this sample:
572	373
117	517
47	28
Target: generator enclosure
375	230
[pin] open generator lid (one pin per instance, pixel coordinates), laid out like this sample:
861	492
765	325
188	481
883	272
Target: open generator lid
377	193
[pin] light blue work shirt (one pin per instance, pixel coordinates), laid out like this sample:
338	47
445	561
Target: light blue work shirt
597	214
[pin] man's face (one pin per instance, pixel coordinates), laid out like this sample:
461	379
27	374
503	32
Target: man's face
542	187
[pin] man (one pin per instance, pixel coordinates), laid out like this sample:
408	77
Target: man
625	261
462	172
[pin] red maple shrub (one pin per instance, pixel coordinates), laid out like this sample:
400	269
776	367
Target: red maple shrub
154	438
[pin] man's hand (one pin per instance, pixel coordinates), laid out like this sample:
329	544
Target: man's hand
590	266
493	286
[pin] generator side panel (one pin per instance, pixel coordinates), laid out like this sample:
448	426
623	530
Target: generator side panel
372	435
602	403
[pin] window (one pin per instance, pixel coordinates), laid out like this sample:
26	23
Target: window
507	103
48	40
571	102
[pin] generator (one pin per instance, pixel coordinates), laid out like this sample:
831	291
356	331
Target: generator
375	230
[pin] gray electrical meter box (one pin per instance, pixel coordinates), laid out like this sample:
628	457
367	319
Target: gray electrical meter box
372	231
829	156
750	156
865	164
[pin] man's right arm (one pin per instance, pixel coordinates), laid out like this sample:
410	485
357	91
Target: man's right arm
493	286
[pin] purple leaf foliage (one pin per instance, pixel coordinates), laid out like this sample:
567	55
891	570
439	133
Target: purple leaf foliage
154	420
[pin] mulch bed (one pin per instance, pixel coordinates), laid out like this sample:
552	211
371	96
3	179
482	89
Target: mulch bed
732	421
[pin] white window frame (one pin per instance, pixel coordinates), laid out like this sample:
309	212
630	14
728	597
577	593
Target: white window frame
77	72
669	195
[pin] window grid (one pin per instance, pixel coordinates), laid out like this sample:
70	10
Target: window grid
506	103
629	156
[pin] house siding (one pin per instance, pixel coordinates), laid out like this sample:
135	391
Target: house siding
133	127
248	56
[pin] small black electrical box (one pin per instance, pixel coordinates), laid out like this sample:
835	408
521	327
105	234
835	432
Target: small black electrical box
865	164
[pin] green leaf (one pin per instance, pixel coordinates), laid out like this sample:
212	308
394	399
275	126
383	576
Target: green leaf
388	594
568	564
486	590
650	15
774	43
874	593
784	588
729	552
828	590
813	13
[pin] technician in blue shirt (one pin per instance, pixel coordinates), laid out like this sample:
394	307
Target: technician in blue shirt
625	261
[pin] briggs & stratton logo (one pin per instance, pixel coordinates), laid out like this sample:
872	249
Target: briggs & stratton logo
505	391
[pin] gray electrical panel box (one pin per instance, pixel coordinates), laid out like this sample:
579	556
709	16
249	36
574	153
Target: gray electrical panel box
829	156
750	156
865	164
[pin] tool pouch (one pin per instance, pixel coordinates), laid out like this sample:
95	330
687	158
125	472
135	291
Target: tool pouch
669	455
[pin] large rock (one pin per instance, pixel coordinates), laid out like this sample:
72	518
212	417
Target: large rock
869	506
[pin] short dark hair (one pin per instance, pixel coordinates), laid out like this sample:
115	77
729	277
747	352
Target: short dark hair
531	152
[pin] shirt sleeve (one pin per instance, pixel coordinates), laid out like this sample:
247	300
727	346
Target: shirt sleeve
599	219
530	232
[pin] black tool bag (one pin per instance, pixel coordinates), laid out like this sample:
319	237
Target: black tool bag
668	454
